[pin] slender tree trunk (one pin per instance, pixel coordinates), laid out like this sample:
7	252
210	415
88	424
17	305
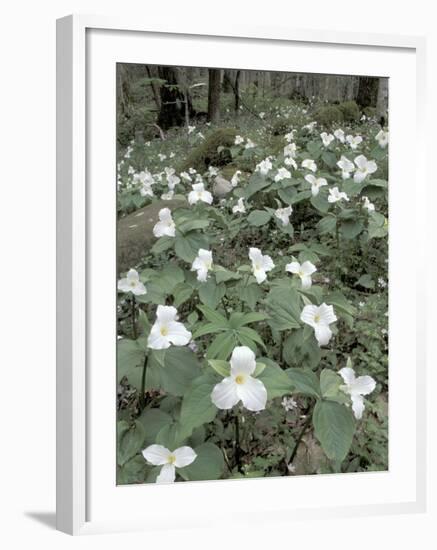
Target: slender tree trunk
154	88
173	99
237	91
382	101
367	91
214	83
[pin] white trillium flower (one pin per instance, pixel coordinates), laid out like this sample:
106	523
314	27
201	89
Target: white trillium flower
202	264
368	205
319	318
264	166
290	150
167	330
167	196
249	144
339	134
169	460
162	157
132	283
260	264
289	161
382	138
309	164
185	176
166	225
364	168
327	139
316	183
289	137
235	180
240	385
262	115
238	140
354	141
346	166
191	129
304	270
282	174
212	171
335	195
283	214
239	207
199	194
356	388
310	127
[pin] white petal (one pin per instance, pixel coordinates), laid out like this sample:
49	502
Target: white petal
224	395
139	290
260	275
184	456
308	268
207	197
156	340
123	285
267	263
306	281
132	275
253	394
242	361
348	375
361	161
178	334
323	334
165	314
293	267
364	385
310	178
308	314
156	454
327	314
357	406
255	254
167	474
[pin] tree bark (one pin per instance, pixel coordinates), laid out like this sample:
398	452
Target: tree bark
154	88
214	84
367	91
172	112
382	101
237	91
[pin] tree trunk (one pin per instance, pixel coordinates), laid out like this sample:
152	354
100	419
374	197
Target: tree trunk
172	112
382	101
154	88
367	91
237	91
214	82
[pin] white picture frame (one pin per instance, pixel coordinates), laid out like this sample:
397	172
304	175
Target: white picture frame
81	485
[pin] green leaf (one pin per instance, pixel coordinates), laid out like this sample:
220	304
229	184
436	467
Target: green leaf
222	275
208	328
208	465
350	229
288	194
187	246
130	441
329	158
283	307
175	373
301	349
256	183
197	407
275	380
258	218
223	368
342	306
320	202
250	294
365	281
163	244
327	224
334	427
222	346
132	471
189	225
330	383
169	278
304	381
214	317
252	317
153	420
130	360
182	292
211	293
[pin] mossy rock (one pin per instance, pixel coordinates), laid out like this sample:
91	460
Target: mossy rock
351	111
214	151
328	115
135	233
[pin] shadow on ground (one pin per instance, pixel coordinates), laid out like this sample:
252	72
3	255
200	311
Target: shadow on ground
45	518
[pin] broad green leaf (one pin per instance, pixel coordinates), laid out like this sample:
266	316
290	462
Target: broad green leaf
214	316
258	218
365	281
350	229
209	464
182	292
327	224
153	420
334	427
211	293
275	380
330	383
163	244
283	307
329	158
179	368
130	361
222	275
197	407
133	471
256	183
222	346
208	328
304	381
250	294
187	246
189	225
168	278
223	368
248	332
301	349
130	442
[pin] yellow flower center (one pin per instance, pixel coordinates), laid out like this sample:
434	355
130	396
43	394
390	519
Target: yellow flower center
316	318
239	379
164	331
257	267
133	283
171	459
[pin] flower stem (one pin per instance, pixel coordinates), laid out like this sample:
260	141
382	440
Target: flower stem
143	383
237	443
301	434
134	322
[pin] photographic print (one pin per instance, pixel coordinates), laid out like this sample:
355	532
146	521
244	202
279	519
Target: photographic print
252	274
